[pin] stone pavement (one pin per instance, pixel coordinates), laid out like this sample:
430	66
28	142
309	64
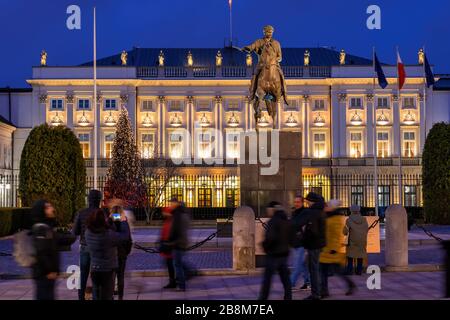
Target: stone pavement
394	285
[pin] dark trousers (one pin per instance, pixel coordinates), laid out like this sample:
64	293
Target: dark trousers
280	265
102	285
85	266
44	289
325	270
314	272
350	263
180	267
170	270
121	276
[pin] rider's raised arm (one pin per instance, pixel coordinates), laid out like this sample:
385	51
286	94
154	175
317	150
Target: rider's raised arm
253	47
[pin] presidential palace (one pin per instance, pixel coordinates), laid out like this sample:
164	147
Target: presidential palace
334	101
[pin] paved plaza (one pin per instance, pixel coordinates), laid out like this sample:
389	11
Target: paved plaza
394	285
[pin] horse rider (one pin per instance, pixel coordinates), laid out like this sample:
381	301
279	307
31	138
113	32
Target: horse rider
269	52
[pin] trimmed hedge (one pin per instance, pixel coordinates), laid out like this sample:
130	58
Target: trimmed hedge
14	219
52	168
436	174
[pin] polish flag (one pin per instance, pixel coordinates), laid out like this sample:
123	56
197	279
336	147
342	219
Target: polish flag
401	74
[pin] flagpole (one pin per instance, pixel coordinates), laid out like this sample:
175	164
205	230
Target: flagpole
424	93
374	147
95	102
400	186
230	2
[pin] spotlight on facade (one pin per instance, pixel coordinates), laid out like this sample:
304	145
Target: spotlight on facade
248	60
175	121
219	59
204	121
409	119
356	119
147	121
56	120
190	59
291	121
382	119
319	121
83	121
109	121
233	121
263	122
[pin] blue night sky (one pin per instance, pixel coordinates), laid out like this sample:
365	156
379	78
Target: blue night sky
28	26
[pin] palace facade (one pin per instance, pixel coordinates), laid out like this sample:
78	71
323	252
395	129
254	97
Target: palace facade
334	101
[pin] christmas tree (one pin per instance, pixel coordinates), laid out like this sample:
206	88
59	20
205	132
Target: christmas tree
125	178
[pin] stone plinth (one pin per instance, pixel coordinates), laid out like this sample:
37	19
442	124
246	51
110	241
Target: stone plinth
396	243
257	189
243	239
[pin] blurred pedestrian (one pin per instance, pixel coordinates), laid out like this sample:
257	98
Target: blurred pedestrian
332	256
299	262
357	228
45	241
166	250
312	223
178	241
79	229
276	247
118	220
102	242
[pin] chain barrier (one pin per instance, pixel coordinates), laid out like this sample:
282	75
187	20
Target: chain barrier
429	233
264	224
5	254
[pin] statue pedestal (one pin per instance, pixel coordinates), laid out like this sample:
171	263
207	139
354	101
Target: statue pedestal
257	189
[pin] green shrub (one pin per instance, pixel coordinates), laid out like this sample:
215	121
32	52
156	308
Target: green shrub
52	168
436	174
14	219
5	221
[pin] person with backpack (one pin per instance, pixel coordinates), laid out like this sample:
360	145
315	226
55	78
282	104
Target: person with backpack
79	229
118	221
299	261
312	223
165	250
357	228
45	242
102	242
276	247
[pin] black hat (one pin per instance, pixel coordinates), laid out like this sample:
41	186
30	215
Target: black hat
314	197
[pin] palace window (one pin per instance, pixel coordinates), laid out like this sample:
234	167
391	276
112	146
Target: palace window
384	196
204	197
382	103
232	197
319	147
176	145
357	195
109	140
356	103
319	105
147	105
233	105
83	104
409	103
205	141
110	104
409	144
203	105
232	146
148	145
383	144
176	106
356	144
410	196
56	104
84	139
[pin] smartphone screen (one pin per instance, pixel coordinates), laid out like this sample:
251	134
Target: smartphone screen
116	216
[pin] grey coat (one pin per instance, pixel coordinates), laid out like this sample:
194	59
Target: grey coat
356	227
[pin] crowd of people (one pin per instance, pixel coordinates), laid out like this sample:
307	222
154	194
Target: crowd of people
324	242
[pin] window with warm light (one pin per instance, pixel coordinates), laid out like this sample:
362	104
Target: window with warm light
383	144
384	196
147	105
356	103
409	144
109	140
319	105
83	104
319	146
176	145
84	139
176	106
110	104
409	103
383	103
410	195
357	195
148	145
232	145
56	104
356	144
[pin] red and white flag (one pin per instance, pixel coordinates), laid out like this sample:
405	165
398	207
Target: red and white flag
401	74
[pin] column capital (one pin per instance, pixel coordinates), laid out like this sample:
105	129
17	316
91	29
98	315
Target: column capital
124	98
421	97
99	97
306	97
161	99
190	99
70	98
43	98
395	97
218	99
369	97
342	97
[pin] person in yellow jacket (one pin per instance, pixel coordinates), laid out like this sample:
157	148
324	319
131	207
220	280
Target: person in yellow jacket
332	257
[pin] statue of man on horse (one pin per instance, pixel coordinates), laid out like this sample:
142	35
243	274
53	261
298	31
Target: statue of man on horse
268	83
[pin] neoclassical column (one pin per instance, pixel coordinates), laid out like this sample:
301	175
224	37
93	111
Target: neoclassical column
422	127
70	99
395	140
370	123
305	126
43	109
335	124
190	123
219	126
162	126
343	125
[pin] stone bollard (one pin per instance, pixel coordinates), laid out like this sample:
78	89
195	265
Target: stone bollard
396	243
243	239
